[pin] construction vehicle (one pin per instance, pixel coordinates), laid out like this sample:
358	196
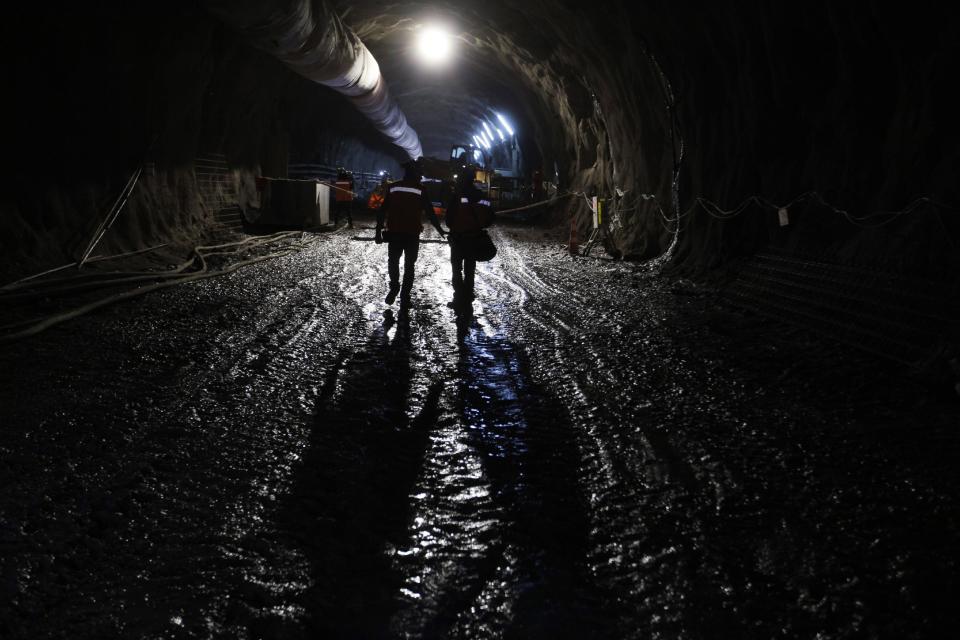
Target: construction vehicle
502	187
440	175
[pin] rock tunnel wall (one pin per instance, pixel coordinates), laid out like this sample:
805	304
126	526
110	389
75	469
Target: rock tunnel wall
769	100
101	89
850	102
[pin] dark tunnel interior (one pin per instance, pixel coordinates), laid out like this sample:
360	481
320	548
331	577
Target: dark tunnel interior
779	214
855	104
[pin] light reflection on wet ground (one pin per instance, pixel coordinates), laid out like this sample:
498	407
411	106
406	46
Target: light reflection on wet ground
591	455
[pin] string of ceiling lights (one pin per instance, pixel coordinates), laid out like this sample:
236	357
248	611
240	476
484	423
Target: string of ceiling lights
485	137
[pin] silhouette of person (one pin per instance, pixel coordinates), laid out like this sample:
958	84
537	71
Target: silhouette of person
401	213
468	213
343	197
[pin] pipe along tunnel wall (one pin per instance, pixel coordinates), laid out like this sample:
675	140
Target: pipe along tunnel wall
853	104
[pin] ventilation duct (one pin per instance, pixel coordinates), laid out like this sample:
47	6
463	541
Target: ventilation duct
311	39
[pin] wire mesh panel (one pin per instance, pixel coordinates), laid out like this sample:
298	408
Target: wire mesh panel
900	318
218	191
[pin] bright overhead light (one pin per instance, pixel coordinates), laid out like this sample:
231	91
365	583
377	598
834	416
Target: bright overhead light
434	45
506	125
486	128
483	140
476	141
500	133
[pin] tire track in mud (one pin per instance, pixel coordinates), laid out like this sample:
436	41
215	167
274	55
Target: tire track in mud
272	575
435	487
725	497
471	518
243	377
223	424
641	491
269	454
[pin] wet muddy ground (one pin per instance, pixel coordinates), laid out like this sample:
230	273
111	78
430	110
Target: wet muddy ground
600	452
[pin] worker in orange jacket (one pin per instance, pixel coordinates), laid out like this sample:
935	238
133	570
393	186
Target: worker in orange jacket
538	192
343	197
401	215
378	195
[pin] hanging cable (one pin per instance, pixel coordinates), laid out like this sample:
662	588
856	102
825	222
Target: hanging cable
716	211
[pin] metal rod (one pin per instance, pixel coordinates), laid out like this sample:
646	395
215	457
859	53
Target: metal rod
112	216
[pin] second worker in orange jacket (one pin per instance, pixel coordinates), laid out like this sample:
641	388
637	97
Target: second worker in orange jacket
468	213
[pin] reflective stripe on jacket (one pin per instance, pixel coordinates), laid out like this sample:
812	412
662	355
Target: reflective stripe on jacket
465	216
404	207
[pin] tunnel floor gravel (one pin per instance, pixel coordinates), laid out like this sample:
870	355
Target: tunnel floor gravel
599	451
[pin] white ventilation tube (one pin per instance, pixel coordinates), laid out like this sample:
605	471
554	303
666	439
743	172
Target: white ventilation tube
311	39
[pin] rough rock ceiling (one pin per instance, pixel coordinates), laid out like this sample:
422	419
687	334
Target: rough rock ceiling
500	64
855	102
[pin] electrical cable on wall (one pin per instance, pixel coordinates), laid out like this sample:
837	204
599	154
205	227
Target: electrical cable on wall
715	211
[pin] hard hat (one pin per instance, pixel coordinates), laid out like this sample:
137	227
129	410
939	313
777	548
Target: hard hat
413	168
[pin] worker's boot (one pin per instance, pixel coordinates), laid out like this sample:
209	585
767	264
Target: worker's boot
467	297
457	301
407	287
392	293
462	303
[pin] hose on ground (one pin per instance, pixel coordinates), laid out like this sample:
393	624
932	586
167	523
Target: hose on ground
116	277
16	284
201	254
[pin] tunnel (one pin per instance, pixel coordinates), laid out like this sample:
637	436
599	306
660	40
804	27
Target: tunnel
708	386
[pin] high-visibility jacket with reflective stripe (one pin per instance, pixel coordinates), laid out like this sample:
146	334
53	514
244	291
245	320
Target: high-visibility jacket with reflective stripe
464	216
344	191
375	201
404	208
